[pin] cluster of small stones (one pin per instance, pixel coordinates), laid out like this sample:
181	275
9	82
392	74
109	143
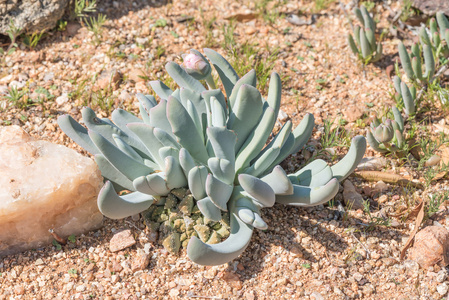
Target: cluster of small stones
176	218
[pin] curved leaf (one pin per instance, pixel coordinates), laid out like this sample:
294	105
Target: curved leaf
109	172
161	89
114	206
246	113
183	79
310	196
218	192
185	130
278	181
347	165
77	133
121	161
227	74
209	210
231	248
257	189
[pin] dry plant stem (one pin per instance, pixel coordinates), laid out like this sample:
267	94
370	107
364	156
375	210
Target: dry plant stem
386	177
57	237
418	222
129	223
364	247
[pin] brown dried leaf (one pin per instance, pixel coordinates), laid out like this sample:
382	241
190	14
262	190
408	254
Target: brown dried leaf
442	128
444	155
387	177
439	176
418	221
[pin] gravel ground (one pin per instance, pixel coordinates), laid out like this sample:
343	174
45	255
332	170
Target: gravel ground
314	253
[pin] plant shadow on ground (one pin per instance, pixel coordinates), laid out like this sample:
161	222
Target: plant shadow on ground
287	224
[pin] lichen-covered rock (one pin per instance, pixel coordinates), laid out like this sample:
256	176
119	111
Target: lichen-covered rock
43	186
31	15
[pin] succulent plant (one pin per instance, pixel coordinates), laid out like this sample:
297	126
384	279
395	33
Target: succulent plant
406	95
387	136
365	46
213	145
412	64
439	30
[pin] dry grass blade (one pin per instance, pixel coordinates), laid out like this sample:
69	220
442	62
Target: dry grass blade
419	218
387	177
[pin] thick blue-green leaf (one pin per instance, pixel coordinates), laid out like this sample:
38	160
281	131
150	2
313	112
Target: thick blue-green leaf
217	94
165	139
100	126
121	117
303	132
218	192
195	98
124	147
118	207
279	140
231	248
317	173
158	117
310	196
374	143
278	181
130	167
227	74
218	115
197	182
259	223
347	165
77	133
256	140
158	183
274	93
186	161
164	152
223	142
246	215
222	169
193	113
209	210
140	184
184	128
145	132
175	175
246	113
183	79
257	189
109	172
261	165
161	89
249	78
146	102
285	151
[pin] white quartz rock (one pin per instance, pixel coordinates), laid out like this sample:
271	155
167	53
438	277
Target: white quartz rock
44	186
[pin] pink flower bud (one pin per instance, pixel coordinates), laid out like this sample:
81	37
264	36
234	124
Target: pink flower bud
196	67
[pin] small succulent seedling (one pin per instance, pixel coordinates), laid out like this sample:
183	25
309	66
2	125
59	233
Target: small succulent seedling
412	63
387	136
405	95
203	160
365	46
